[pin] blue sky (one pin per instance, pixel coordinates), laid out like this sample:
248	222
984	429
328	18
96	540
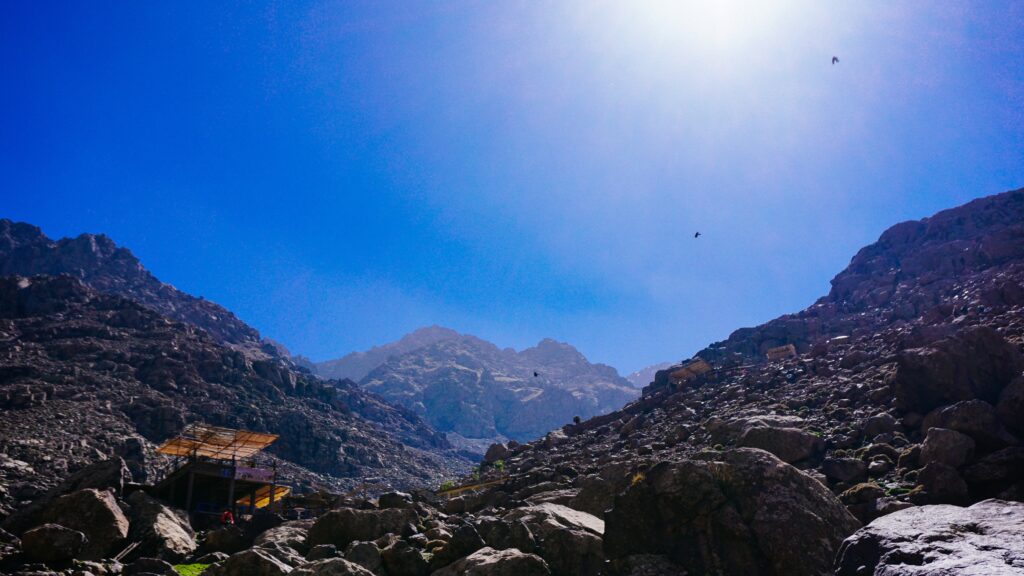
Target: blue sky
340	173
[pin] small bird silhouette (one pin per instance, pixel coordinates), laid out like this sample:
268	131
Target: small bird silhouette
535	374
834	60
696	235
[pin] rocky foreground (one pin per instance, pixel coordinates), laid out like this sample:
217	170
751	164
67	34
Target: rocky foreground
888	444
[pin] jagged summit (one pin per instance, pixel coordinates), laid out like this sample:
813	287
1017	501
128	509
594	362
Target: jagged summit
356	365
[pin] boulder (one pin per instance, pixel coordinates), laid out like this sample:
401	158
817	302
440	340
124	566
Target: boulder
996	473
107	474
164	532
789	444
491	562
53	544
345	525
463	542
570	541
96	514
846	470
401	559
976	418
291	534
503	534
947	446
496	452
942	484
986	538
746	513
880	424
395	500
1010	407
977	363
251	562
324	552
366	554
331	567
229	539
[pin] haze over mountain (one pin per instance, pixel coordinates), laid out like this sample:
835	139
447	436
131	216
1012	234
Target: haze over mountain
645	376
468	386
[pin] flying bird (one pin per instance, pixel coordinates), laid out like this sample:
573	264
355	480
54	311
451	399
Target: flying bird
535	374
696	235
834	60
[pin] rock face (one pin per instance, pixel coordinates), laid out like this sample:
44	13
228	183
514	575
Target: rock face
986	538
472	388
53	544
745	513
356	365
491	562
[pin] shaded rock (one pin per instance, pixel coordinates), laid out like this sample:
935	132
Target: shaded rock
53	544
748	513
164	532
496	452
976	418
986	538
942	484
996	472
847	470
491	562
323	552
645	565
570	541
251	562
366	554
345	525
401	559
96	514
331	567
789	444
463	542
395	500
229	539
948	447
1010	407
880	424
977	363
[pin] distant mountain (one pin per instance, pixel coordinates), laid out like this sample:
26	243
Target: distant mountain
472	388
645	376
102	265
357	365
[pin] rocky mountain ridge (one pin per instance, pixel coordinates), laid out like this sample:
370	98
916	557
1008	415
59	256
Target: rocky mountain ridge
98	262
356	365
470	387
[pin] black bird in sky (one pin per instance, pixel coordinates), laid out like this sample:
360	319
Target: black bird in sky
696	235
535	374
834	60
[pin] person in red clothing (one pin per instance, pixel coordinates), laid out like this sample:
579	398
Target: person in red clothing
227	518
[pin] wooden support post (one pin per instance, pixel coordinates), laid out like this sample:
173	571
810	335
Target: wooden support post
231	489
252	501
188	493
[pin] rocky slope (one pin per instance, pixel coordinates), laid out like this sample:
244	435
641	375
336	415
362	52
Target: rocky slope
472	388
85	375
98	262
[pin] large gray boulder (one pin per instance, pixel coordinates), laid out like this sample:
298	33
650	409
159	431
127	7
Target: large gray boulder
491	562
789	444
291	534
96	514
164	532
741	512
975	418
939	540
345	525
570	541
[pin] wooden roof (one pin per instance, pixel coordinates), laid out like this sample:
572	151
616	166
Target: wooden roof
214	442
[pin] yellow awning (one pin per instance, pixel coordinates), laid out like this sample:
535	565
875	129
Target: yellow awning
263	496
214	442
